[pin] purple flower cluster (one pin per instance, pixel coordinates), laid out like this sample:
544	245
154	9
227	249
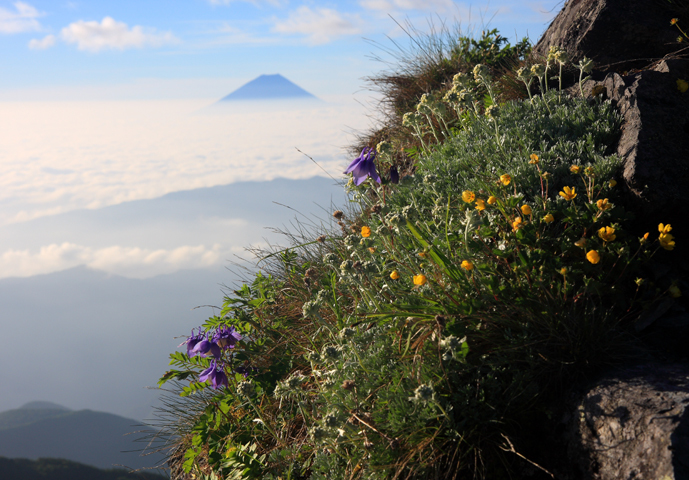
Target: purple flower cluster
211	344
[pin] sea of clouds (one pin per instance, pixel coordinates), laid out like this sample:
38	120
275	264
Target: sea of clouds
60	157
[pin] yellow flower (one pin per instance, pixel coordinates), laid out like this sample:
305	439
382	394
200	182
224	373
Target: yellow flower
568	193
526	210
492	200
603	204
674	291
534	159
563	271
593	257
612	183
581	242
365	232
667	241
607	234
682	85
574	168
505	179
467	265
468	196
548	218
644	239
517	224
395	275
664	228
480	204
419	279
674	21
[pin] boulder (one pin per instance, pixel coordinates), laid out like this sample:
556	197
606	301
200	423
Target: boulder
617	34
634	425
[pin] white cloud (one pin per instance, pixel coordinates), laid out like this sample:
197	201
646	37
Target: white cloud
111	34
320	25
396	5
23	19
109	152
127	261
47	42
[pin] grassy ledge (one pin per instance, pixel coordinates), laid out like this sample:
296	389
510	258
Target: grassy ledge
425	331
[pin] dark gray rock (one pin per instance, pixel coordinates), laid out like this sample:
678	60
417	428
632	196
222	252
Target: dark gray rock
616	34
634	425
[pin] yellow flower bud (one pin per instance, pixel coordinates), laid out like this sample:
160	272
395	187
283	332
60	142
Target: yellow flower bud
574	168
593	257
395	275
468	196
526	210
420	279
548	218
467	265
365	232
505	179
492	200
603	204
480	204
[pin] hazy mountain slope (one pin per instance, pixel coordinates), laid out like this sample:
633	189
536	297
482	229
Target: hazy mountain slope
94	438
88	339
60	469
30	413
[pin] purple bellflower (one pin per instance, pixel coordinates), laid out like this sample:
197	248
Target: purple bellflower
215	374
394	175
206	347
363	167
192	342
226	337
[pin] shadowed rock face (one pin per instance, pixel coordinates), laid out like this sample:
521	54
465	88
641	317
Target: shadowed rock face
634	423
654	146
638	62
616	34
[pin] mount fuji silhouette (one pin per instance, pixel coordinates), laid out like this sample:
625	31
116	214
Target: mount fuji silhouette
268	87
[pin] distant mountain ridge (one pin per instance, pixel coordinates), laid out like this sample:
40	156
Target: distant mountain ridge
60	469
93	438
30	413
268	87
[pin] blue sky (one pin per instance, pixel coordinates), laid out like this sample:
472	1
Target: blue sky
54	44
